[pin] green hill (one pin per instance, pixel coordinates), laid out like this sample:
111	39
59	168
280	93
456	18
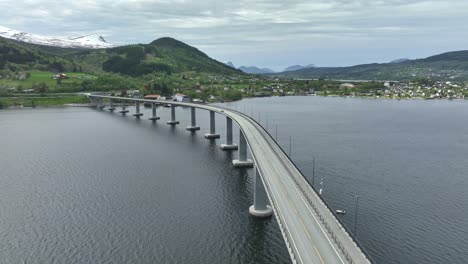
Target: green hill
446	66
164	55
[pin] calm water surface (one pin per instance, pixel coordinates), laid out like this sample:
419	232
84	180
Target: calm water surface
79	185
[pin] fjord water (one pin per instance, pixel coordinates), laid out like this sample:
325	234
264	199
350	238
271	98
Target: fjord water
80	185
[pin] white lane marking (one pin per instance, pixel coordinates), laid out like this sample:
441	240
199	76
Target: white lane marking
306	203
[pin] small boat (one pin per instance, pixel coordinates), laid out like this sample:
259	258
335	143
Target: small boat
167	105
339	211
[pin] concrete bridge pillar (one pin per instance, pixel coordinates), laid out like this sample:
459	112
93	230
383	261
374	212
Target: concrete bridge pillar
124	107
229	145
242	161
173	117
137	106
260	208
193	125
212	133
111	108
153	117
100	104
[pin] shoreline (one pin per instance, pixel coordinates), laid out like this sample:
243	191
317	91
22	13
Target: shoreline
81	104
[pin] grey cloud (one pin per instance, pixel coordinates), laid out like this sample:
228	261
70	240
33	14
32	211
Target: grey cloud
276	33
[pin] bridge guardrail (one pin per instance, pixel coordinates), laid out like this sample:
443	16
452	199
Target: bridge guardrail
325	204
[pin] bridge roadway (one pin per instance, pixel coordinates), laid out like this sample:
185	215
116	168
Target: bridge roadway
310	230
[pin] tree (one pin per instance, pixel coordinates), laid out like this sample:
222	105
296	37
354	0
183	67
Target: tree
41	88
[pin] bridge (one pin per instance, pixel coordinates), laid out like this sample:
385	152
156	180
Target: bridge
311	231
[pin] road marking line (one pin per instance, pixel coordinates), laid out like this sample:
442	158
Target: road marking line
282	186
307	232
292	206
320	256
276	157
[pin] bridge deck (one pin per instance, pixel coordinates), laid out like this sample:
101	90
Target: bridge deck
311	232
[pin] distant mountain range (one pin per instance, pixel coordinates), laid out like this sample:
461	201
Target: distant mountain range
298	67
87	41
399	60
446	66
257	70
24	51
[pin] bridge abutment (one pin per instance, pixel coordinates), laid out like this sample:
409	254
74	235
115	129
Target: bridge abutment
260	208
193	125
242	161
153	109
173	120
137	107
124	107
212	133
229	145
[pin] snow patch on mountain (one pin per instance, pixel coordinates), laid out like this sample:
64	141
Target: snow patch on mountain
88	41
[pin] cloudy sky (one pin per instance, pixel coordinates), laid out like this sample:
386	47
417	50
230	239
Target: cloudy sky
264	33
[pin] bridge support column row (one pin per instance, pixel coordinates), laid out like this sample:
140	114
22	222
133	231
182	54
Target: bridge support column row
193	125
124	107
229	145
242	161
137	106
173	121
260	208
153	108
212	133
111	108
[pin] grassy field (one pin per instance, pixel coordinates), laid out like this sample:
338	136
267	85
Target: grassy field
43	100
44	77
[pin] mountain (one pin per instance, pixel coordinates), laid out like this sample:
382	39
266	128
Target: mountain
230	64
255	70
164	55
399	60
298	67
19	56
87	41
446	66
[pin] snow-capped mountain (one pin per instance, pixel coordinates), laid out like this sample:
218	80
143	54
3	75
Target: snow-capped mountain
88	41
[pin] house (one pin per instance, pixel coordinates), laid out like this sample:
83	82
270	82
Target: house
346	85
60	76
152	96
182	98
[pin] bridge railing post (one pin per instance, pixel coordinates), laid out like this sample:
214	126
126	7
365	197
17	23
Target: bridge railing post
153	110
242	161
212	133
229	145
260	208
173	117
193	124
